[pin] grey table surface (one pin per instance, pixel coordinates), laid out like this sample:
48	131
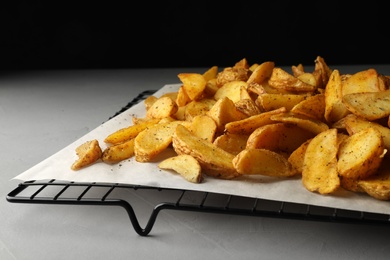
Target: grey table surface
43	111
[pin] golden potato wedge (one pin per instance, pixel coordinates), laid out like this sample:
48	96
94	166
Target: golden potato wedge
272	101
305	122
378	185
248	107
182	98
297	70
247	125
127	133
194	84
211	73
223	112
164	106
313	106
242	64
361	81
281	79
172	95
361	154
296	158
334	106
180	113
232	73
319	172
214	161
263	162
153	140
197	107
204	127
231	89
354	124
253	66
278	137
261	73
308	78
136	120
384	82
245	93
148	102
117	153
350	184
211	88
368	105
317	77
323	69
232	143
186	165
88	153
167	119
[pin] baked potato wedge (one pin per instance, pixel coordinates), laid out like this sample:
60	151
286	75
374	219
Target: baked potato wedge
214	161
278	137
378	184
153	140
194	84
88	153
361	154
185	165
368	105
117	153
319	171
263	162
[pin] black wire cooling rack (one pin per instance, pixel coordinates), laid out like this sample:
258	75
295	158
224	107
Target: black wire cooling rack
110	194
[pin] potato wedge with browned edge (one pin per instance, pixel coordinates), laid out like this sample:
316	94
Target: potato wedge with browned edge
194	84
163	107
204	127
378	185
127	133
119	152
88	153
263	162
153	140
319	172
334	106
231	89
223	112
281	79
279	137
232	143
262	72
186	165
361	154
214	161
369	105
313	125
247	125
354	124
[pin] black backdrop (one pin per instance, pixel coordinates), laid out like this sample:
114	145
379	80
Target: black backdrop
129	34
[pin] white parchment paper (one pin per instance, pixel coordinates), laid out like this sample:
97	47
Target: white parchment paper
129	171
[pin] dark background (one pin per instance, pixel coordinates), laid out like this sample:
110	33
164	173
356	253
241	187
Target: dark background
130	34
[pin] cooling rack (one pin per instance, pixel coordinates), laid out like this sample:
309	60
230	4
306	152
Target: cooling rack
111	194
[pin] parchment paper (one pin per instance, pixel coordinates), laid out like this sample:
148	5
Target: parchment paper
129	171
